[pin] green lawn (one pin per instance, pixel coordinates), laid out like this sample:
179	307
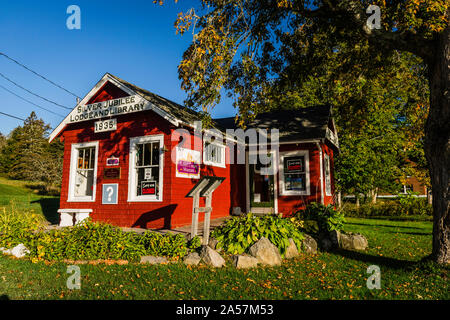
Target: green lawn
394	246
25	196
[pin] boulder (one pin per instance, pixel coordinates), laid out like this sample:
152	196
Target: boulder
244	262
192	258
309	244
213	244
20	251
335	238
359	242
291	250
266	252
153	260
211	257
326	244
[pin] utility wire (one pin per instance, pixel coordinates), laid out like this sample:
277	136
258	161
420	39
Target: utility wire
18	85
32	103
10	115
37	74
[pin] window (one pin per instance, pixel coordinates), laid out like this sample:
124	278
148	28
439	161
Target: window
83	172
214	154
327	175
146	164
294	173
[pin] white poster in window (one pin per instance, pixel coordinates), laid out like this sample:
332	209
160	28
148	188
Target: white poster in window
147	173
187	163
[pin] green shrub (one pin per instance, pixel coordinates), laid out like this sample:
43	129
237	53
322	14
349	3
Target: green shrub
318	218
404	205
194	243
92	241
169	245
16	226
239	233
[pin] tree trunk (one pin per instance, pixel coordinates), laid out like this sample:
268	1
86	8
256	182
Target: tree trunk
374	195
437	145
357	200
339	199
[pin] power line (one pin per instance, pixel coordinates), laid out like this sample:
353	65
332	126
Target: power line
37	74
11	116
32	103
18	85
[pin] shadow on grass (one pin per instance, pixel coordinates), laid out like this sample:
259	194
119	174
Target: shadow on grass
377	260
49	208
4	297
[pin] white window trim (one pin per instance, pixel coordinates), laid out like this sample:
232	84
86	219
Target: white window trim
73	164
132	196
327	185
222	151
284	154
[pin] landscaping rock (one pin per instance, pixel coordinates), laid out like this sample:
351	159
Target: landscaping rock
291	250
266	252
5	251
213	244
192	258
244	262
326	244
211	257
153	260
20	251
334	237
309	245
359	242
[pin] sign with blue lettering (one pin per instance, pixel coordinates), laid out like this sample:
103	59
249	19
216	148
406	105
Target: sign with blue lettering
110	193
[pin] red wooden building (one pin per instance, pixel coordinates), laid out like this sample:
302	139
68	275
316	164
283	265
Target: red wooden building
131	156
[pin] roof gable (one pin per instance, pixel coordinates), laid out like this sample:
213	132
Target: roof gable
112	96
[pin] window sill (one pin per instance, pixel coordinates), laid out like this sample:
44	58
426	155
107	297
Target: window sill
214	164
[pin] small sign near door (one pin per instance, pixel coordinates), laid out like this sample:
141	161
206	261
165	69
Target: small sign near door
148	187
110	193
295	165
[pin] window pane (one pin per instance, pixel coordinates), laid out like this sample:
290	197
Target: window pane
87	156
155	153
92	164
147	154
139	154
80	159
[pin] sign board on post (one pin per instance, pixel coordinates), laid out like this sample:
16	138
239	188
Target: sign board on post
110	193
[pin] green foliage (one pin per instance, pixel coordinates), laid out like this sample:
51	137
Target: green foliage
194	243
27	148
169	245
16	225
240	233
318	218
87	241
404	206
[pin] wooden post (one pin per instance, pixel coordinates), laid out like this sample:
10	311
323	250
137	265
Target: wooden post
207	221
194	225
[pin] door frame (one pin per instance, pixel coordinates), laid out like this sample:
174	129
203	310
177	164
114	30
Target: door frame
275	178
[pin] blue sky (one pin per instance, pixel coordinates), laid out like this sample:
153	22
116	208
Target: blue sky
134	40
